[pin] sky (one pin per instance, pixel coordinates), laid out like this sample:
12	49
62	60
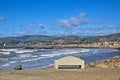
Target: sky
59	17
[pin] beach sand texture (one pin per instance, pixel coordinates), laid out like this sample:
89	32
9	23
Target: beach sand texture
62	74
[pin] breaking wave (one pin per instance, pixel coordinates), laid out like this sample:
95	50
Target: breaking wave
7	64
65	52
12	62
19	50
5	52
41	58
54	54
29	60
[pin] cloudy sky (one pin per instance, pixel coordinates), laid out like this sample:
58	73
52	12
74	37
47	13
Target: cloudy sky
59	17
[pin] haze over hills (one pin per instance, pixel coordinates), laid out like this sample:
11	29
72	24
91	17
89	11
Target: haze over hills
72	38
25	38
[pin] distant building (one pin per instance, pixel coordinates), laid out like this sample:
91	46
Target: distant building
60	41
4	44
69	62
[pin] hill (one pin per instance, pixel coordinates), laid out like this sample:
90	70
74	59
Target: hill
10	40
111	37
52	39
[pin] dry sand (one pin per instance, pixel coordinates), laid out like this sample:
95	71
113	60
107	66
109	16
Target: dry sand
62	74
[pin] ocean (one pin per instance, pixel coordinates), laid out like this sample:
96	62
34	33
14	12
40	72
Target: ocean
39	58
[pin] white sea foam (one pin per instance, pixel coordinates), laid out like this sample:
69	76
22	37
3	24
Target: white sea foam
56	53
12	62
41	58
29	60
24	51
7	64
5	52
27	56
8	49
85	50
95	51
19	50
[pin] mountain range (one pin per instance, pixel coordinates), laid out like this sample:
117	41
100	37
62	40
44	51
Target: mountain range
44	38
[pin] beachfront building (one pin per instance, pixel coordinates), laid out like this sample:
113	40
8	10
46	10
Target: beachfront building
69	62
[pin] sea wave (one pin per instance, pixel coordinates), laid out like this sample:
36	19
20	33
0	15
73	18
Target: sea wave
54	54
9	50
58	53
7	64
29	60
12	62
24	51
19	50
27	56
42	58
2	59
5	53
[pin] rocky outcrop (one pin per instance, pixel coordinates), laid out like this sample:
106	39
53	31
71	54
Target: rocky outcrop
113	62
18	67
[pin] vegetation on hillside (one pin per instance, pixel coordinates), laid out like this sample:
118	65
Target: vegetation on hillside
34	39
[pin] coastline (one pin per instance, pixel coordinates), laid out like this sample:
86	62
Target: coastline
50	73
95	72
91	72
66	48
59	46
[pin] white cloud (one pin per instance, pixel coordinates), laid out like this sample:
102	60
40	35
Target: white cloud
40	26
2	18
31	29
74	21
82	14
21	33
99	22
65	23
114	27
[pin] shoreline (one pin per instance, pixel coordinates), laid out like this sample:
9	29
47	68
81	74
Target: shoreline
100	72
50	66
90	64
57	47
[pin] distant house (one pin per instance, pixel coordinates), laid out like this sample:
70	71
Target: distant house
69	62
4	44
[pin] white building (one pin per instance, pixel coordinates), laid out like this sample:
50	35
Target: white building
69	62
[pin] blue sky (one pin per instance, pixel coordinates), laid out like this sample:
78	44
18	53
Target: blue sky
59	17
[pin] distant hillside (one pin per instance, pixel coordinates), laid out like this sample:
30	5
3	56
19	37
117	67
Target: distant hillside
111	37
71	38
35	37
25	38
68	39
9	40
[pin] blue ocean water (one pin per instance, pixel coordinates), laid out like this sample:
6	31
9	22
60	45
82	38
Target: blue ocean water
37	58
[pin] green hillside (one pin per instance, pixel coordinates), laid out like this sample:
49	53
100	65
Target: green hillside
69	39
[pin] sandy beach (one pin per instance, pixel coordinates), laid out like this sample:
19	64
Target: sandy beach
111	72
62	74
